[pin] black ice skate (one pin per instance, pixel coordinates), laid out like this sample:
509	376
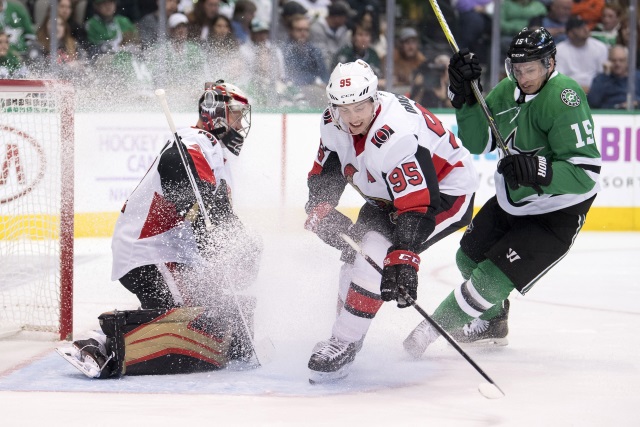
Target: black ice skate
332	359
88	356
480	331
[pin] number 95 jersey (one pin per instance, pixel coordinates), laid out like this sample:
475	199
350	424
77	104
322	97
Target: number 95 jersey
402	164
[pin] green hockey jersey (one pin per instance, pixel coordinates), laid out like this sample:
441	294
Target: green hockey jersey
555	123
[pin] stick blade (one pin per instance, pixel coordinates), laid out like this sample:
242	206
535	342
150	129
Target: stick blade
490	391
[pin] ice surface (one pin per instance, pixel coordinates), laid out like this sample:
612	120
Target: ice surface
572	357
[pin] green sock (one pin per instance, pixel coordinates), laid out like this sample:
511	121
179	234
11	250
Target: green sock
491	284
465	264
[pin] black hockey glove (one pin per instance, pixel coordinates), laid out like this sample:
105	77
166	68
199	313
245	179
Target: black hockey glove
230	137
327	223
529	171
400	270
464	68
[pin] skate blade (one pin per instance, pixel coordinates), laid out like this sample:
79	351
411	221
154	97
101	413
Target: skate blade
87	370
498	342
316	377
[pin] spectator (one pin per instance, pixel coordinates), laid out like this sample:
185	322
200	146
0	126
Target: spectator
148	24
331	33
316	8
581	56
70	56
303	62
201	19
475	23
108	32
623	38
289	10
589	10
11	65
68	11
243	14
555	21
607	29
609	90
221	40
264	65
169	61
430	83
222	48
406	58
516	14
369	18
359	48
16	23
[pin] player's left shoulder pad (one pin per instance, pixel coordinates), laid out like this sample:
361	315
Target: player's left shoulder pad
564	92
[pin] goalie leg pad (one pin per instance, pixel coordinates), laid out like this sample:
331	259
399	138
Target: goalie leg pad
180	340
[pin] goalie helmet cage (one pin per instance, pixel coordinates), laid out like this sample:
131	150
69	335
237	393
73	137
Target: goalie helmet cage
36	206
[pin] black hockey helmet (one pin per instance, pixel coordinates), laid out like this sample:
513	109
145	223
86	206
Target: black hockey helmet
530	45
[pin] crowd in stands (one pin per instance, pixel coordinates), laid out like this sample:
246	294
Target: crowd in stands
118	42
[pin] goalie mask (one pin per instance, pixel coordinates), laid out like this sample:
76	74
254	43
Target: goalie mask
225	112
351	83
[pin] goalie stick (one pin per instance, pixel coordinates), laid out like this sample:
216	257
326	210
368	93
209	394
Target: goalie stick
491	390
474	84
162	98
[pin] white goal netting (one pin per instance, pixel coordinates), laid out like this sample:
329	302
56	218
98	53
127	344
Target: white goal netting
36	206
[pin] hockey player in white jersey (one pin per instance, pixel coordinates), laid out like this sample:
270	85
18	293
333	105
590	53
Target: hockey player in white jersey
184	275
418	182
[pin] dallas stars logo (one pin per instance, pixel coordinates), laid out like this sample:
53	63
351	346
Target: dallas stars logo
570	97
510	141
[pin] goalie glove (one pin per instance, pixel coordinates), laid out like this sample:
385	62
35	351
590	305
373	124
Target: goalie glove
400	269
464	68
529	171
230	137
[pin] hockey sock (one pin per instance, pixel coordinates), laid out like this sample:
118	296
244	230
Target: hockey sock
488	283
465	264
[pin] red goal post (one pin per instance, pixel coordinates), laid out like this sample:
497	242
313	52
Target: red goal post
36	206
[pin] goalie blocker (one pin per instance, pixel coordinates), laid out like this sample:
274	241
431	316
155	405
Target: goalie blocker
176	341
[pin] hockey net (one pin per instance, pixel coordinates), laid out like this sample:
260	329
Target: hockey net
36	207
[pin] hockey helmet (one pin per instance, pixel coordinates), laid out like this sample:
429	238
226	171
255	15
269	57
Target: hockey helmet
221	100
351	83
530	45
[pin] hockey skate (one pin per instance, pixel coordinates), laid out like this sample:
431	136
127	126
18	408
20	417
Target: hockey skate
88	356
493	331
331	360
420	338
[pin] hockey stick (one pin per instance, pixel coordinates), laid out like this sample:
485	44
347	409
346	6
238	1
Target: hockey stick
165	107
491	390
474	84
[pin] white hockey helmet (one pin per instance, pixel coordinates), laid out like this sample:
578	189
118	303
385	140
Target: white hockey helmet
352	82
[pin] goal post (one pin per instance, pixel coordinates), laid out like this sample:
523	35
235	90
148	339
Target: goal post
36	206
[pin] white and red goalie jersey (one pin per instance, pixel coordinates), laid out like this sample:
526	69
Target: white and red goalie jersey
156	224
402	164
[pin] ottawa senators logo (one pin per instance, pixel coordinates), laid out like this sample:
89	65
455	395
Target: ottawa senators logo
382	135
370	177
349	171
326	117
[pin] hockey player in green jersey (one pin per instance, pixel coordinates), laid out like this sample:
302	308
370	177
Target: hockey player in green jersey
545	186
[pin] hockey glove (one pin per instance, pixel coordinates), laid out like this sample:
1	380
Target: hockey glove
327	223
529	171
464	68
230	137
400	270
